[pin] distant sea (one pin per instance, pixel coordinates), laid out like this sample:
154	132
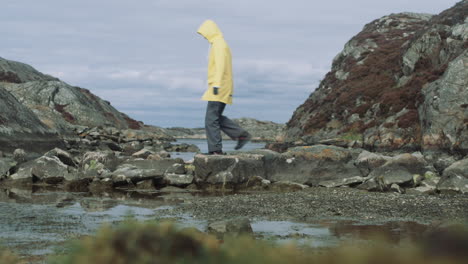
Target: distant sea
228	145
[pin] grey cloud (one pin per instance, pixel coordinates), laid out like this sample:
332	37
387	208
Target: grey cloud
146	59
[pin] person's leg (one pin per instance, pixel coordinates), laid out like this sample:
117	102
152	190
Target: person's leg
212	126
233	130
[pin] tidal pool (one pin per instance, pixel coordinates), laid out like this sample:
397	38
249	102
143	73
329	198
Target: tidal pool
39	223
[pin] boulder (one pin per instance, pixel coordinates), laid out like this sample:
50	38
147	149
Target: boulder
227	169
367	161
178	179
5	166
232	227
392	175
94	158
138	170
159	166
176	169
49	170
455	178
404	169
143	154
23	173
19	155
313	164
414	163
63	156
440	160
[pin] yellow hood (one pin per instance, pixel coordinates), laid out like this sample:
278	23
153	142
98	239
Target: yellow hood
209	30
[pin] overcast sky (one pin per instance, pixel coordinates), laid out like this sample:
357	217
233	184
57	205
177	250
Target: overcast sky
145	57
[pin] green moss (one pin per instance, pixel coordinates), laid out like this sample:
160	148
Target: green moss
352	136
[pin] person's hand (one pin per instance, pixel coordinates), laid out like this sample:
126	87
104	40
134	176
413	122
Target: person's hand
215	90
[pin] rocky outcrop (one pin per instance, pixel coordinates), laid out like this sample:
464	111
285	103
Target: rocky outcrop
260	130
17	72
53	107
400	84
20	127
61	106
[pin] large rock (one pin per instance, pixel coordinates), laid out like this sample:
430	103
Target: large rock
314	164
63	156
49	170
392	174
62	106
399	84
45	169
138	170
92	159
178	179
5	166
400	170
20	127
227	169
368	161
17	72
455	178
444	112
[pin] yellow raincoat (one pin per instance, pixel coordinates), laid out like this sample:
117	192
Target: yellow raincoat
219	64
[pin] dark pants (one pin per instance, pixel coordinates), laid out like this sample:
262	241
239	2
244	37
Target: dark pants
215	122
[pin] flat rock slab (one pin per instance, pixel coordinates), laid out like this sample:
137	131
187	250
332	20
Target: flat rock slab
227	169
313	164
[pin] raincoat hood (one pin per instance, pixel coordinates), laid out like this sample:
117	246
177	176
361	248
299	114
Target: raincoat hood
209	30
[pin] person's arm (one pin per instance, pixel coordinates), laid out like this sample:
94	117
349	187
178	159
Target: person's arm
219	51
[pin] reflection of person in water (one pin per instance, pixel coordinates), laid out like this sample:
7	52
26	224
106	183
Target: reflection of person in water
219	93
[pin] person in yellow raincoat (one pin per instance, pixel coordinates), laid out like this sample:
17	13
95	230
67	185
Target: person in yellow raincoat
219	92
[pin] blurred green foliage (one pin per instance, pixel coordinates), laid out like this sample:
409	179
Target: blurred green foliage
149	242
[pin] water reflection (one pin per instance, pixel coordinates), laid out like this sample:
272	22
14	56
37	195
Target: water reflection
35	221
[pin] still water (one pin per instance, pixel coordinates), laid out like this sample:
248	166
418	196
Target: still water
40	223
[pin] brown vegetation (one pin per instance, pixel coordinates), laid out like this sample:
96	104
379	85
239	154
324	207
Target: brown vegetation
372	78
66	115
132	123
9	77
409	119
